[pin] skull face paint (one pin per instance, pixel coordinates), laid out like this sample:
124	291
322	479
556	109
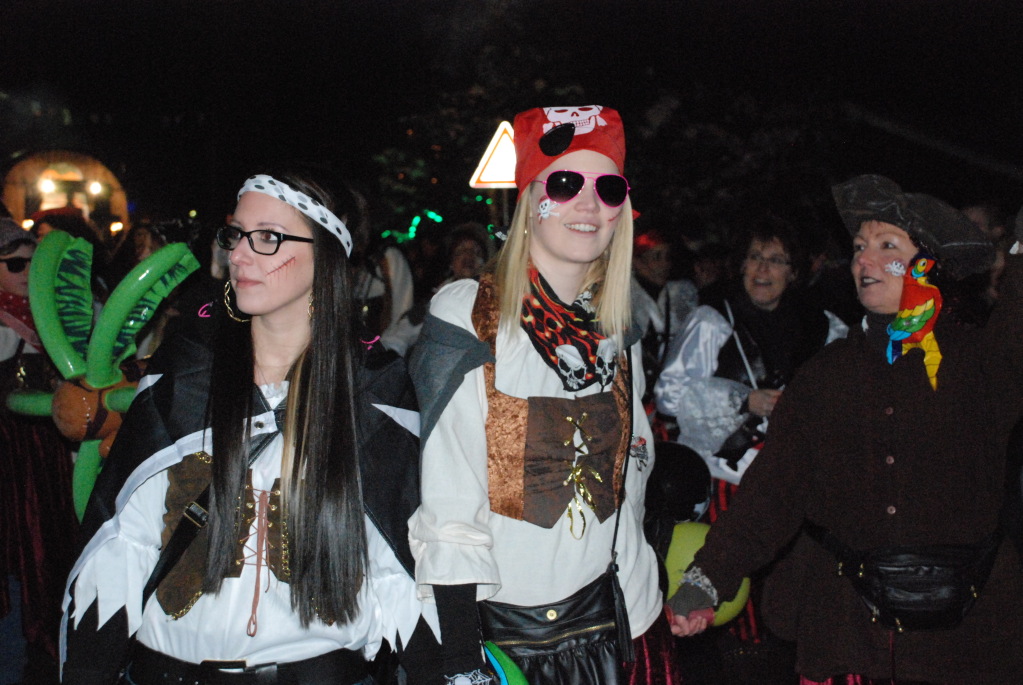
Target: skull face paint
545	208
876	246
895	268
577	232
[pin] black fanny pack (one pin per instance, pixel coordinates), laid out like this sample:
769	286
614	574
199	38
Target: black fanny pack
929	587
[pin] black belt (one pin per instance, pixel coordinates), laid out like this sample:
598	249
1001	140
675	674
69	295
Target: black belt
340	667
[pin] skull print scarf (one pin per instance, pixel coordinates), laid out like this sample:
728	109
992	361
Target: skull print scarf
566	336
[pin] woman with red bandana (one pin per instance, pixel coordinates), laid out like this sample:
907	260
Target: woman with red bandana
37	523
528	383
888	448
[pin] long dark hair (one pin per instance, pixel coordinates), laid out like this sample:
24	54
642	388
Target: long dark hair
325	532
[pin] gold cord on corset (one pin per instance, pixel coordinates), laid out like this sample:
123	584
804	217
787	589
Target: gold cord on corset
579	426
577	474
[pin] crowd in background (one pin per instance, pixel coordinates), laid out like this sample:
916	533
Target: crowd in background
712	318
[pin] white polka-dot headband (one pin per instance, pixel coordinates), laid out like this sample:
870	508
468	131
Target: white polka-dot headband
312	208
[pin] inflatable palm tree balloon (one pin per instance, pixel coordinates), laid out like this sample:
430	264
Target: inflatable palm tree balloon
87	406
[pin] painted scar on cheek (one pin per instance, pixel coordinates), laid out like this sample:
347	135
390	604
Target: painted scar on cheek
895	268
288	262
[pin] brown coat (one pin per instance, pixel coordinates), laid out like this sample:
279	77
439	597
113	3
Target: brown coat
870	451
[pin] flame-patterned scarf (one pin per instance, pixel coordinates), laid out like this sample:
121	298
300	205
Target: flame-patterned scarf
566	336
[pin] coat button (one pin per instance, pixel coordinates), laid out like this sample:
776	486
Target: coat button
259	424
889	460
551	614
888	411
890	509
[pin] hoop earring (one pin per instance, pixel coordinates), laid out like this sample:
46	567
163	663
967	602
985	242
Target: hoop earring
227	304
311	308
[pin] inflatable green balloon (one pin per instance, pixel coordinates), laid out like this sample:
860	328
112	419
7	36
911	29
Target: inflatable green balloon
687	538
61	299
30	402
83	477
131	305
504	668
60	294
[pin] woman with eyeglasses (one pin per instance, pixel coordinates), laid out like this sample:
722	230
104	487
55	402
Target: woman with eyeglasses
37	520
231	532
723	376
530	386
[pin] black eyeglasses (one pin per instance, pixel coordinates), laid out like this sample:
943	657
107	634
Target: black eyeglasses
16	264
774	261
261	241
562	186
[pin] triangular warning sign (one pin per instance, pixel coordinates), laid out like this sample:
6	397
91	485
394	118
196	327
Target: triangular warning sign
497	167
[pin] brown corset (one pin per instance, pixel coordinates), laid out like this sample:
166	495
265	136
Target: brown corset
183	585
530	442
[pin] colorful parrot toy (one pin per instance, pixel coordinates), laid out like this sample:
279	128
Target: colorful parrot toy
918	312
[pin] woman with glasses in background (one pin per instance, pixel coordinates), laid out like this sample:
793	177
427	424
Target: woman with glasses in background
294	578
723	376
527	395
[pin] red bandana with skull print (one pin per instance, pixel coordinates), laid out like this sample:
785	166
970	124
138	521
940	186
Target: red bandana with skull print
566	336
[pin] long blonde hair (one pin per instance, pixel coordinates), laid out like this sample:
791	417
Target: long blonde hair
612	271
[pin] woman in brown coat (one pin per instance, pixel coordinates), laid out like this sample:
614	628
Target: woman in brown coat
885	440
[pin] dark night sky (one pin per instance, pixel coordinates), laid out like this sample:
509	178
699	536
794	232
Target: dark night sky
269	78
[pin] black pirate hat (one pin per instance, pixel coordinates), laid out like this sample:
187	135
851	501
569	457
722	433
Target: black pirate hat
958	245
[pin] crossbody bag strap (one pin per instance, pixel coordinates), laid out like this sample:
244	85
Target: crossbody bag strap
829	541
194	519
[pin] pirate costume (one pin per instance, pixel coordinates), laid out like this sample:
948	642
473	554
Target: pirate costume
247	632
525	438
